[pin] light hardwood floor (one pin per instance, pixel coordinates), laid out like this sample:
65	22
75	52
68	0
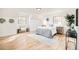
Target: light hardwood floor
20	42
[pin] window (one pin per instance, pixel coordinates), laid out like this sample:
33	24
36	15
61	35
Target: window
22	21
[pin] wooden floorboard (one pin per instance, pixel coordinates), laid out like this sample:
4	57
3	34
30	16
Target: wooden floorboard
20	42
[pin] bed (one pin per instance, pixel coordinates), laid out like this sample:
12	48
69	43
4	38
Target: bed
46	31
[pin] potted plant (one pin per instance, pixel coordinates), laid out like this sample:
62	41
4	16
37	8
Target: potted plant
70	20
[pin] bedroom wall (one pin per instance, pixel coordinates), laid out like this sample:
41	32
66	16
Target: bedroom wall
33	19
57	13
11	29
8	28
57	17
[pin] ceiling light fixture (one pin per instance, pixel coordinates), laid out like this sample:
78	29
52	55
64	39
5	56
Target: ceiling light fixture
38	9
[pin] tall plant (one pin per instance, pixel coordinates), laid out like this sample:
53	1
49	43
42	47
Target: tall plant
70	19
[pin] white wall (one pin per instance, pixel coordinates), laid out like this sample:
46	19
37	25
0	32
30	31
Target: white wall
11	29
8	28
57	16
33	19
57	12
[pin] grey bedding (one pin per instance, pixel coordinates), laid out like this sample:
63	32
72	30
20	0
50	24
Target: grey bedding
44	32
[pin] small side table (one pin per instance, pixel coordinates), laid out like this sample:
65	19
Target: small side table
72	34
18	30
27	30
60	30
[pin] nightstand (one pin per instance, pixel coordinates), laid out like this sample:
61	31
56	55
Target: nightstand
21	31
27	30
18	30
60	30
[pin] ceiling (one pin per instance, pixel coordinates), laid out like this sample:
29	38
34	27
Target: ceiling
27	11
34	10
